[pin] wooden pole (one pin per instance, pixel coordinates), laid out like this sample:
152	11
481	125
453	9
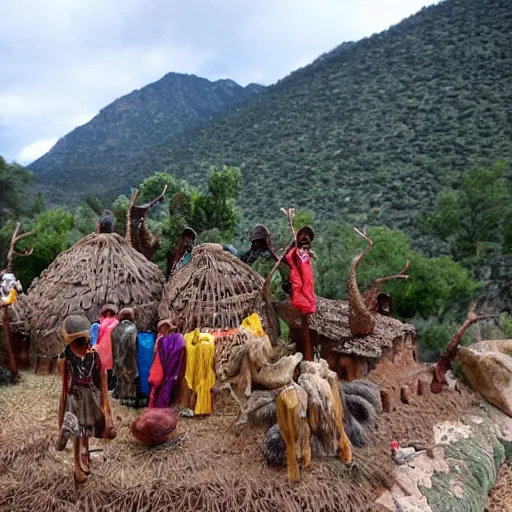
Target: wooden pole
308	352
7	334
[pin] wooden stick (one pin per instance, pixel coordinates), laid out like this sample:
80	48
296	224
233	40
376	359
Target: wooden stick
386	400
308	352
265	291
13	365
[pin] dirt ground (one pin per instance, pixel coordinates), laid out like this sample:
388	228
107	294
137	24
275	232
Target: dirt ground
500	499
215	464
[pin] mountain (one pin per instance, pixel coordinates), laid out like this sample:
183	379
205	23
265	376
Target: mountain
84	159
370	131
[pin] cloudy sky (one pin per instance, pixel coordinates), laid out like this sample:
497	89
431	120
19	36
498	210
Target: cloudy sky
63	60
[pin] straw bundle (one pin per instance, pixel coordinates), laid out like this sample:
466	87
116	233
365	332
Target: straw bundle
215	289
99	269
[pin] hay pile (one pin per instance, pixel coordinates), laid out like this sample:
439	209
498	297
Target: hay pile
215	289
99	269
214	466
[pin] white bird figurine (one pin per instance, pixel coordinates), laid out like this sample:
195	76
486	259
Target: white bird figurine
404	455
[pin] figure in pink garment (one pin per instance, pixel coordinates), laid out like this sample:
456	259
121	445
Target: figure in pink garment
108	322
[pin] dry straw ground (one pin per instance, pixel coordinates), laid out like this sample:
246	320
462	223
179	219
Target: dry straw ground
215	465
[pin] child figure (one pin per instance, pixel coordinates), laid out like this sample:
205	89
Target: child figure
84	410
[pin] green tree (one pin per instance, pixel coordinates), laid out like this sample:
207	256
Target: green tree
14	183
477	215
152	187
435	285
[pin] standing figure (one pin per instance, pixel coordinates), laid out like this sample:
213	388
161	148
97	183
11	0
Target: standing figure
108	322
168	365
124	353
303	283
261	246
9	289
261	250
84	410
182	253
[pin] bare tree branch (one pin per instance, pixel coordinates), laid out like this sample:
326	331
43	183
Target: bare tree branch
12	247
445	362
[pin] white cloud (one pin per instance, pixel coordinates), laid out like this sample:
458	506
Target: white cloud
35	150
63	60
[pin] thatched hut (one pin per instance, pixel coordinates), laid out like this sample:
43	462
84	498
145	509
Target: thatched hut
215	290
99	269
352	357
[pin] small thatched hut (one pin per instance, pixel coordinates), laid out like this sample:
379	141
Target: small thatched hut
99	269
215	290
351	357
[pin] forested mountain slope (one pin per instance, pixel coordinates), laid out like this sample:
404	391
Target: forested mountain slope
135	122
373	129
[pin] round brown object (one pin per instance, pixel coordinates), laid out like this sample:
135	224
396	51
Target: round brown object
154	426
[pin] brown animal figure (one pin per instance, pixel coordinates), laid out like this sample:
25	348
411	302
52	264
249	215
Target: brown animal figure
138	235
363	308
253	362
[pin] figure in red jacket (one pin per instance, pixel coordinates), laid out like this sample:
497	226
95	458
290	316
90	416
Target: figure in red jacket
301	274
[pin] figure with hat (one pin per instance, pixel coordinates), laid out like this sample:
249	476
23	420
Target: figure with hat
261	253
182	253
261	246
84	410
168	365
303	297
108	322
124	355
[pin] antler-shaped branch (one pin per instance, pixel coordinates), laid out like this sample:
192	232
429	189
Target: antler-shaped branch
361	319
12	247
149	205
445	362
373	289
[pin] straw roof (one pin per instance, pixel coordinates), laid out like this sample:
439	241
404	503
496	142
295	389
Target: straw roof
330	321
99	269
214	289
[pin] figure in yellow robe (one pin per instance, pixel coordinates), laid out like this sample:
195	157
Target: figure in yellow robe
200	373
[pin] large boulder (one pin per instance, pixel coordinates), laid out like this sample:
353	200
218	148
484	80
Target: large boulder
461	469
488	367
